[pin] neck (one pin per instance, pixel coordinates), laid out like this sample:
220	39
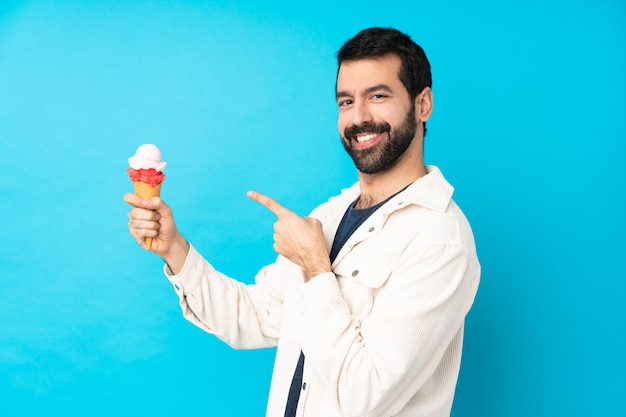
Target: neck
380	186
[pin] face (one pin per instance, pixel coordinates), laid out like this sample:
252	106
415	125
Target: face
377	121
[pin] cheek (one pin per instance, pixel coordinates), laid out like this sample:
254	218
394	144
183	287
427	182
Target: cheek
390	116
342	123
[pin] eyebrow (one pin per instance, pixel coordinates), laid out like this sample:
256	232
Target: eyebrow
369	90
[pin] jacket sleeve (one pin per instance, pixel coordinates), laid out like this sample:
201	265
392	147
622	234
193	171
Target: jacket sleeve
244	316
375	361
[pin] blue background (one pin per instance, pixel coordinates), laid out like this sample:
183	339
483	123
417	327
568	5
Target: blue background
530	103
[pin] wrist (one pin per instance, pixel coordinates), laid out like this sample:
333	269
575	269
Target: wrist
312	269
177	254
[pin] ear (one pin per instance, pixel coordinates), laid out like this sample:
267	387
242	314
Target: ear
424	104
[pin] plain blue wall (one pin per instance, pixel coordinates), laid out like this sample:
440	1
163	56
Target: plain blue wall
530	103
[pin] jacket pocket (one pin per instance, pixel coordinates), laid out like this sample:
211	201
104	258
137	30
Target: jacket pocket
369	263
361	273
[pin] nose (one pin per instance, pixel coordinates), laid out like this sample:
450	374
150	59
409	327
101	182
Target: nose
361	113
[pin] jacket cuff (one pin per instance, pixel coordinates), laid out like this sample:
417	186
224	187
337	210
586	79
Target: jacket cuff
190	275
321	287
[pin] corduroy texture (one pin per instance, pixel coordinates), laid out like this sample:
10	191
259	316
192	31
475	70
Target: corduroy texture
145	190
382	333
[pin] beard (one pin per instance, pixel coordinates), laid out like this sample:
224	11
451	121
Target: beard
382	155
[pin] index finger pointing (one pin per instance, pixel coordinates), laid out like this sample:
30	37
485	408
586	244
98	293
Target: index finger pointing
268	202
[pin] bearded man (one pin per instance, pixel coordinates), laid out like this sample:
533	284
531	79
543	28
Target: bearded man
367	298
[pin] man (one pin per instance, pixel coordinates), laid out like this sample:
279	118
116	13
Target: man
367	298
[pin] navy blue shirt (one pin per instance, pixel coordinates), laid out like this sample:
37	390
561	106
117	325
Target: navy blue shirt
352	219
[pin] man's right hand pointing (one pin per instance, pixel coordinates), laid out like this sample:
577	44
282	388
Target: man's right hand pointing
299	239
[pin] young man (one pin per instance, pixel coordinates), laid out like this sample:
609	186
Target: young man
367	298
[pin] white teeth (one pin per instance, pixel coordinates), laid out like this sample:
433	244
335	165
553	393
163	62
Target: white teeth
365	138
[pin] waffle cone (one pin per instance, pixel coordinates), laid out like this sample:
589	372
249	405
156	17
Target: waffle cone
145	190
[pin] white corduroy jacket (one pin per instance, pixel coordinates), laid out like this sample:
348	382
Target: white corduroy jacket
382	334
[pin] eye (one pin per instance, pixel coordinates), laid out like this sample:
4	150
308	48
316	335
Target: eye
378	96
344	103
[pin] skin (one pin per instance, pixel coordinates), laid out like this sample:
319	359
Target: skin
368	91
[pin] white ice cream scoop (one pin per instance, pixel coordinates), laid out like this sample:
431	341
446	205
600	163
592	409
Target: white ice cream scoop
147	156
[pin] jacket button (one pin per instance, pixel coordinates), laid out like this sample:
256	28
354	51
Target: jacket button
355	272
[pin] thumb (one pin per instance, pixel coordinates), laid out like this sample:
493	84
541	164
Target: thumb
154	203
158	205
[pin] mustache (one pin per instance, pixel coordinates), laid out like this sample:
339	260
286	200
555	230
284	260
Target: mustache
376	128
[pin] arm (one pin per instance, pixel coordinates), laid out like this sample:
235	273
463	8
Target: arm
245	316
377	363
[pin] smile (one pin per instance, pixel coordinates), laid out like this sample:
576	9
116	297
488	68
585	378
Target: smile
365	138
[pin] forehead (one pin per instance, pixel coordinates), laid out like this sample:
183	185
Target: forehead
354	76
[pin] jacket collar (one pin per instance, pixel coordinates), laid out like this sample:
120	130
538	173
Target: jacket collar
431	191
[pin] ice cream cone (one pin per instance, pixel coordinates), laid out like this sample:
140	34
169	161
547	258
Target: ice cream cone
145	190
146	174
